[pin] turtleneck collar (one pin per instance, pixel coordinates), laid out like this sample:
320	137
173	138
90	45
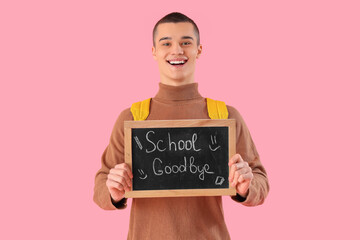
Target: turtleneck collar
178	93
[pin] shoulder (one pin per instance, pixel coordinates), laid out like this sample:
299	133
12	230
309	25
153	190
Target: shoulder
235	114
125	115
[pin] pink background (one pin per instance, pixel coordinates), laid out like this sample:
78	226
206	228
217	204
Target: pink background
291	68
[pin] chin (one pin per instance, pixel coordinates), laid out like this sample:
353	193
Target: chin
180	79
177	76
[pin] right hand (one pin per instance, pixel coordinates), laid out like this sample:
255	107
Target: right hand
119	181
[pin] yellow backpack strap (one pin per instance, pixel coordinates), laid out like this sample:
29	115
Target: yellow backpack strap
140	110
217	109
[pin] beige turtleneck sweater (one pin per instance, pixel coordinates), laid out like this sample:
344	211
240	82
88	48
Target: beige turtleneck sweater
179	217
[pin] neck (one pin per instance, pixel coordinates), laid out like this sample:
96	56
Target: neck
178	93
177	82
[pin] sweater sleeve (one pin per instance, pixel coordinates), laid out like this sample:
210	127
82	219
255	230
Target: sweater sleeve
112	155
245	146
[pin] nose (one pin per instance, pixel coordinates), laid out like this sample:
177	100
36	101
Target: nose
177	49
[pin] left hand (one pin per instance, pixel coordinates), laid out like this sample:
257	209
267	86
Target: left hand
240	175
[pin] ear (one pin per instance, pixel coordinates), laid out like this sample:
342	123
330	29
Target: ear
153	50
199	50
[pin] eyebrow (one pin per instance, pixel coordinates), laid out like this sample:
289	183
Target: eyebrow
169	38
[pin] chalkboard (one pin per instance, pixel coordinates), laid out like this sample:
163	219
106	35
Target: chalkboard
179	157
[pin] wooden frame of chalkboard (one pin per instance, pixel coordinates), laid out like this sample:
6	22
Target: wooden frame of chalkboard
173	158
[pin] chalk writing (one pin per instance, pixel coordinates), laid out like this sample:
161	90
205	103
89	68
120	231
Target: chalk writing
187	166
213	141
219	180
180	158
142	174
171	145
138	142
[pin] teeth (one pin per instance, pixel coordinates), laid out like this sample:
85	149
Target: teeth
177	62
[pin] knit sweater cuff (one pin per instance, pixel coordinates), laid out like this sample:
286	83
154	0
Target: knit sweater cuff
238	198
119	205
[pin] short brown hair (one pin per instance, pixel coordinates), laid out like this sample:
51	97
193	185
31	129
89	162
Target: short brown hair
176	17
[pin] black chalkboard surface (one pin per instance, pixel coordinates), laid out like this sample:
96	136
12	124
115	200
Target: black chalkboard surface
179	157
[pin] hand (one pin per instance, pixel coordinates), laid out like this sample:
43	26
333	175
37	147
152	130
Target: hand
119	181
240	175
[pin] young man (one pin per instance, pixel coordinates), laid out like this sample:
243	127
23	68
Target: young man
176	47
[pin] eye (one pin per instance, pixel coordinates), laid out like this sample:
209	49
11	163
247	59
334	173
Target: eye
186	43
166	44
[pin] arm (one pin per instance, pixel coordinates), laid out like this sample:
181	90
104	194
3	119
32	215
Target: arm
252	186
112	163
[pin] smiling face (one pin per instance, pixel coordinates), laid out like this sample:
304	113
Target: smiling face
176	51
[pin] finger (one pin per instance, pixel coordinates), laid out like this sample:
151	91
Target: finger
243	188
248	176
120	172
126	167
124	173
244	170
121	181
241	165
241	179
236	178
120	177
235	159
232	171
113	184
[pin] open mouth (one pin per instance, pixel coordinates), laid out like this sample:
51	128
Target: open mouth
177	62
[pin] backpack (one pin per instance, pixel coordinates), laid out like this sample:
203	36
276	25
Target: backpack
216	109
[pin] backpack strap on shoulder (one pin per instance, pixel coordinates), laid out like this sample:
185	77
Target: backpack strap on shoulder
217	109
140	110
